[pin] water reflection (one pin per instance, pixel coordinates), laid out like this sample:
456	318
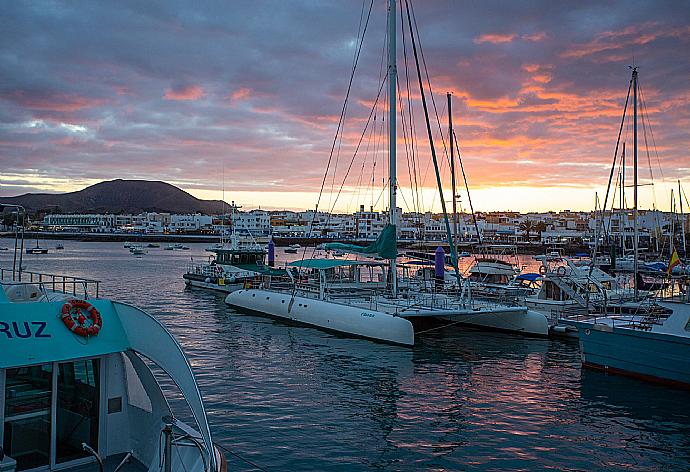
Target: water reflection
296	398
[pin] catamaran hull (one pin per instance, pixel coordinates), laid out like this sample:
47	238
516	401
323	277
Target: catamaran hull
520	321
330	316
650	356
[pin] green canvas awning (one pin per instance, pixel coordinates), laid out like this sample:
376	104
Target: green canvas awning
385	245
321	263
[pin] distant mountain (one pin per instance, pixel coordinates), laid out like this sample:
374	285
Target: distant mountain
119	196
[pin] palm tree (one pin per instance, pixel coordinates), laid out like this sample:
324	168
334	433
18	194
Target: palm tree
526	227
540	228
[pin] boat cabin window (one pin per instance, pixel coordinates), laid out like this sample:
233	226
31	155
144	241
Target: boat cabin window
32	405
244	258
77	409
28	398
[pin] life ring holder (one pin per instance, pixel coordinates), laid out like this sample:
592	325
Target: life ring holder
72	315
561	271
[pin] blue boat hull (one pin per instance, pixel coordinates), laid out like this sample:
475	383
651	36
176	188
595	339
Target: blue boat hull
651	356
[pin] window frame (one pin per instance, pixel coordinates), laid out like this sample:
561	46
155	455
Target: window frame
102	412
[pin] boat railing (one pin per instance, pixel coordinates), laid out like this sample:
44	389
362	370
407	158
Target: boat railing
203	269
58	283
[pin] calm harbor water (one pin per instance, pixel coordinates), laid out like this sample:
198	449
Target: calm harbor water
295	398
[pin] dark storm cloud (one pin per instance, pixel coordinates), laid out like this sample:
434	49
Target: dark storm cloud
170	89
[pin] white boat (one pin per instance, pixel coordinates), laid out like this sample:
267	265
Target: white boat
326	314
375	309
235	264
137	250
170	247
77	390
292	249
37	249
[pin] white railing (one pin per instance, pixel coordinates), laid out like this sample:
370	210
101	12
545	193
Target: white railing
52	282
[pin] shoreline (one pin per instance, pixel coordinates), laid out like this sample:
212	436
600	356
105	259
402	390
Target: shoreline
533	248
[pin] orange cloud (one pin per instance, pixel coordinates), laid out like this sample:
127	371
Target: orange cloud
240	94
635	35
495	38
498	38
189	92
534	37
58	102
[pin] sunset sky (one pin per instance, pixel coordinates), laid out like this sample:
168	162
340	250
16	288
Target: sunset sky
248	93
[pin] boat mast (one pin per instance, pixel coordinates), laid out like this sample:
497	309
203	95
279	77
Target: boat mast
624	213
635	224
452	171
672	236
392	116
682	218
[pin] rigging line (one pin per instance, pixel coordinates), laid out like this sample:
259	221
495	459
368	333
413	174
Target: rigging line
364	163
428	80
467	188
359	143
613	165
405	142
410	112
651	130
355	59
335	139
454	257
344	107
247	461
383	190
649	159
407	148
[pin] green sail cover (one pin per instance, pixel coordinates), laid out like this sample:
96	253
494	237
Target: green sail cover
385	245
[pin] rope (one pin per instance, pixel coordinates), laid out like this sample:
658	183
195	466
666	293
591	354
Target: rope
247	461
438	327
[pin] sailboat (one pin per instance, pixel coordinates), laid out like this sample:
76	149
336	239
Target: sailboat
37	249
654	346
333	294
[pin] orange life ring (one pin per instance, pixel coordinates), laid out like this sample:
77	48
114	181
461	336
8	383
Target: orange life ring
542	270
72	314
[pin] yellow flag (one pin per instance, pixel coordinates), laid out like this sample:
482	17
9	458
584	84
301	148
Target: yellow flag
675	260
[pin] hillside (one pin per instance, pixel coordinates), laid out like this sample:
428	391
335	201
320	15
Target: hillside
118	196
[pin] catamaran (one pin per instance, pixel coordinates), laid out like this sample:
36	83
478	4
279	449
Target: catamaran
383	312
